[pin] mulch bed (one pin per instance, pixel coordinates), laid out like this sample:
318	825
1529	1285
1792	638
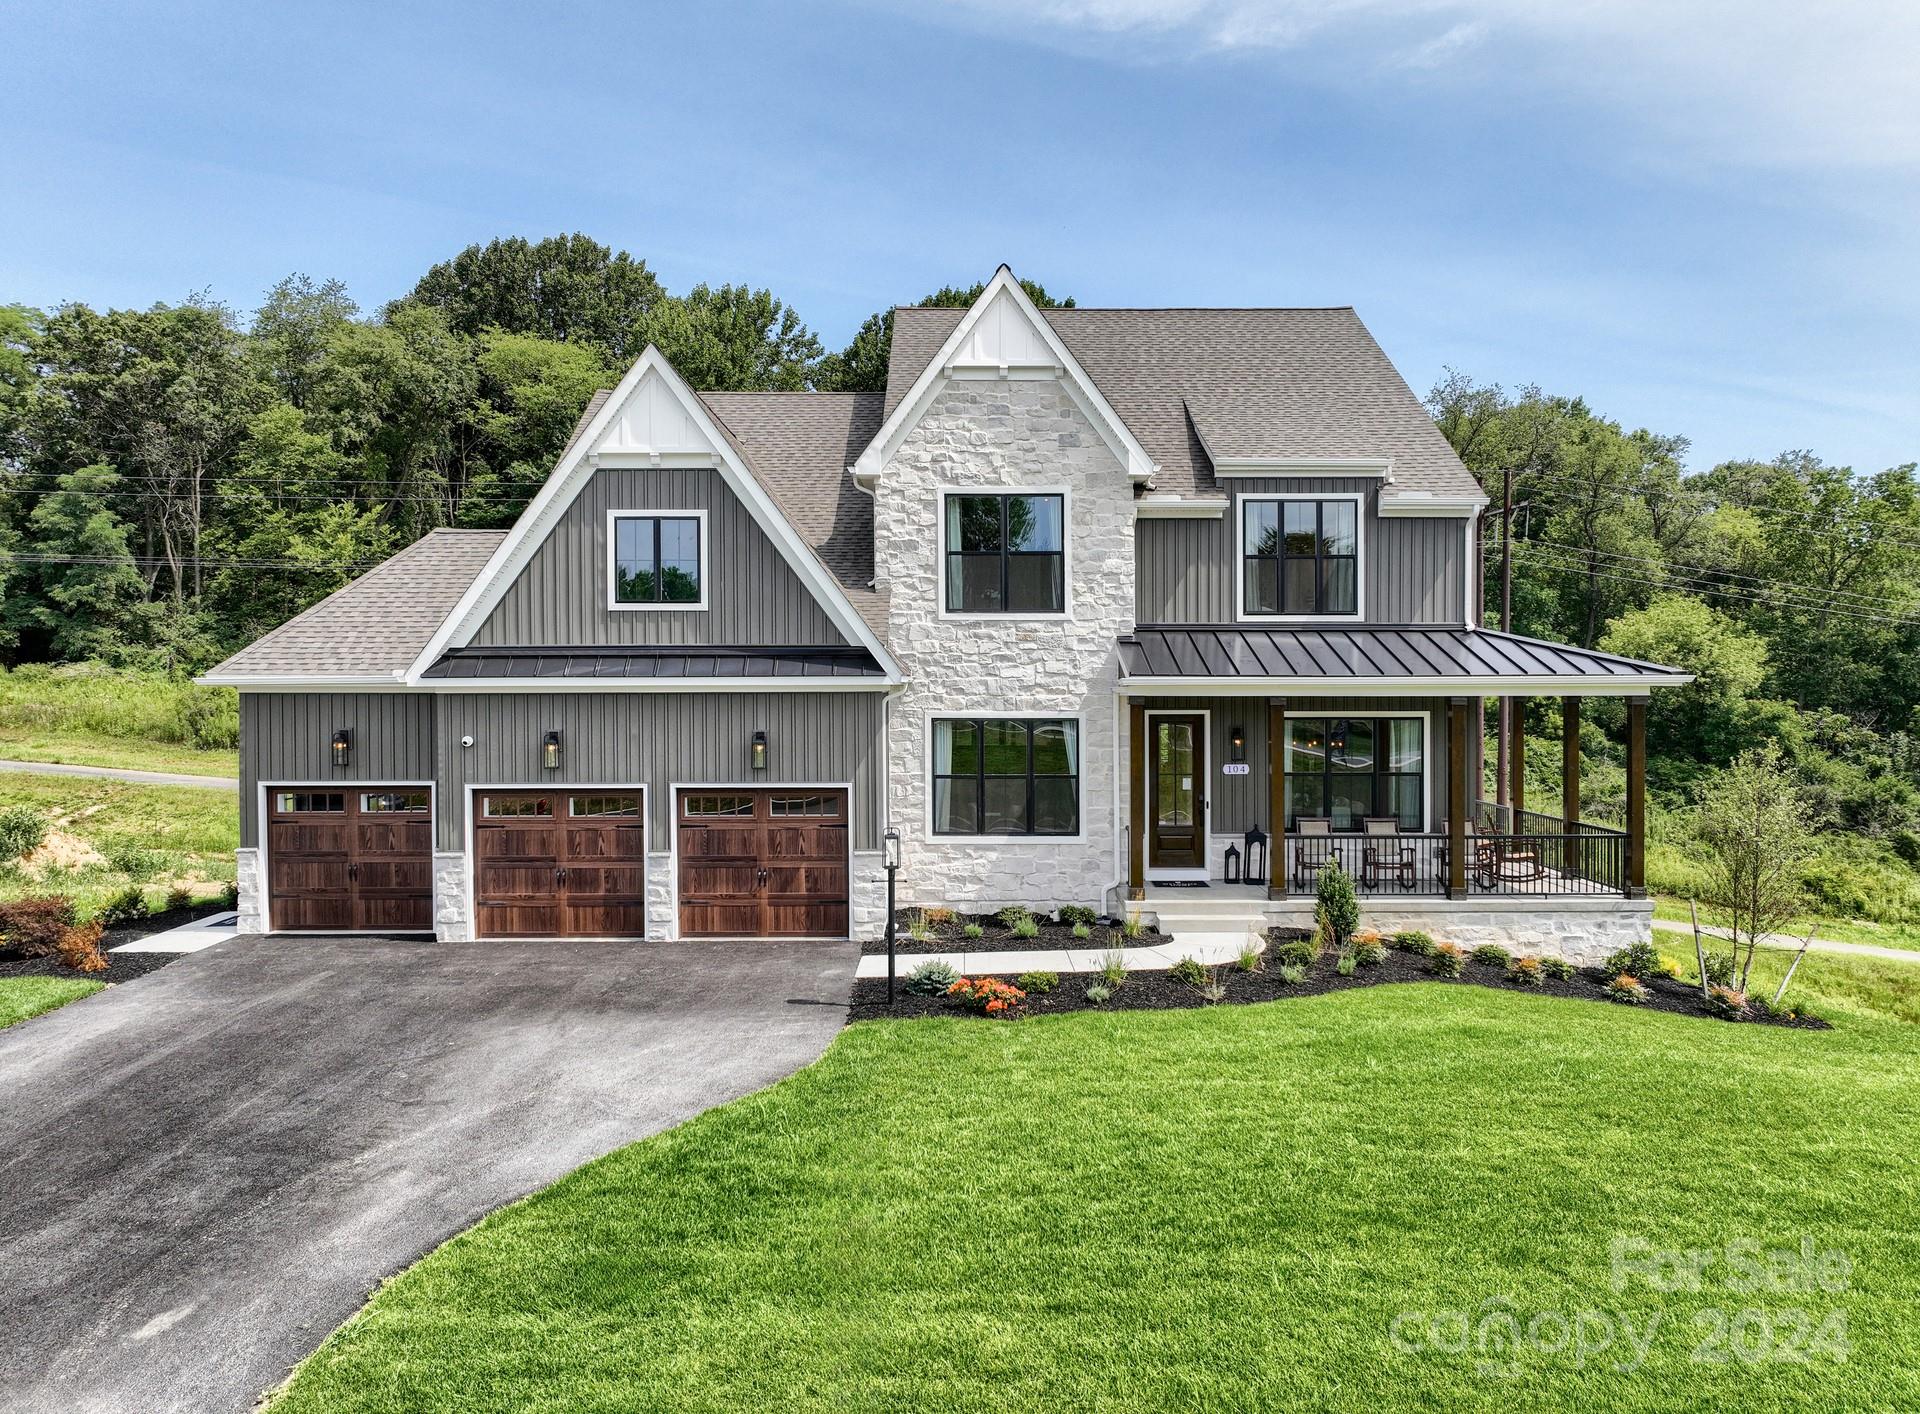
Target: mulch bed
997	937
121	967
1158	991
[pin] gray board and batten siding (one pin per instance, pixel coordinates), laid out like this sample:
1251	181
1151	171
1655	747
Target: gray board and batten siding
1414	564
607	738
753	594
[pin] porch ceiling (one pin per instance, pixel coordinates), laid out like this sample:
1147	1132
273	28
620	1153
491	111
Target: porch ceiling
1373	660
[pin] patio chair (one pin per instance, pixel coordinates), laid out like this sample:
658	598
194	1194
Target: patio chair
1312	851
1385	855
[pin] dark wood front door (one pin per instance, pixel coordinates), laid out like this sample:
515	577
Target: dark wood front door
763	863
1177	793
560	864
350	859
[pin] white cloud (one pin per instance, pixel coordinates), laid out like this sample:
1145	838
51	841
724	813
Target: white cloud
1764	82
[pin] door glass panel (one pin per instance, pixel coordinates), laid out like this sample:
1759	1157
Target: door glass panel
810	806
708	806
582	806
382	802
511	807
323	801
1173	755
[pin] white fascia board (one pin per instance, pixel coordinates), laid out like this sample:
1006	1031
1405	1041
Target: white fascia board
1300	466
570	475
304	682
1405	687
1416	503
1119	439
1178	508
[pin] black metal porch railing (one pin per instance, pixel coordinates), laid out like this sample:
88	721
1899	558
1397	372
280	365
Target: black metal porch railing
1538	862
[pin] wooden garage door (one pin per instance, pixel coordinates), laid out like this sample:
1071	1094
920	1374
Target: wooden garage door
763	864
356	859
560	864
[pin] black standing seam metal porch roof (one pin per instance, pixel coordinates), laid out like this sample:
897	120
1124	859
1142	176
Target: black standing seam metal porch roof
1334	655
653	661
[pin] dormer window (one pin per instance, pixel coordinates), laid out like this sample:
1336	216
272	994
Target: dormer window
657	560
1006	554
1300	557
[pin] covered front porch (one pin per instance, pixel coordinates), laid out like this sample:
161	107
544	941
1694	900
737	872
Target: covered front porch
1364	747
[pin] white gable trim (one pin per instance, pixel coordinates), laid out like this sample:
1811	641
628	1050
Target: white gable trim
1040	354
579	462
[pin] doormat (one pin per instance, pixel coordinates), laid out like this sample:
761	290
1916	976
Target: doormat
1179	884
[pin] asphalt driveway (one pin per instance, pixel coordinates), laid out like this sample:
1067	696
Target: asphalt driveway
203	1172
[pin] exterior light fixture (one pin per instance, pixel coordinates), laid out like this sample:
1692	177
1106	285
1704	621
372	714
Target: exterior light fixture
1237	744
890	849
342	747
550	751
759	751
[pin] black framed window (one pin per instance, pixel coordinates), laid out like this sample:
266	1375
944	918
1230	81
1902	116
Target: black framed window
1000	777
1006	554
1301	557
1345	769
656	560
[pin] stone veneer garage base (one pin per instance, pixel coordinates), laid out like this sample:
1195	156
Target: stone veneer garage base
1581	930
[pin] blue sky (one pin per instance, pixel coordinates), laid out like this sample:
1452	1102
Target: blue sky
1702	217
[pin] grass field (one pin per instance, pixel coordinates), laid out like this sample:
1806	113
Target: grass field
22	997
1320	1203
83	714
1840	930
113	833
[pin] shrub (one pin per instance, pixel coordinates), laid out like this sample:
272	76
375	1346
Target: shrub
1492	955
209	717
1526	972
1336	908
1132	926
1098	992
1906	844
1346	963
21	831
1665	966
230	895
130	859
1012	915
1636	960
33	926
1042	982
1028	927
1113	967
1078	915
1249	959
1188	972
127	906
1625	987
1557	968
987	995
1414	941
1297	952
1083	931
973	932
1726	1002
79	948
1720	969
932	978
1446	960
1369	952
179	896
1292	974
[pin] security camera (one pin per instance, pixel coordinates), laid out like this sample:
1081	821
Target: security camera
466	741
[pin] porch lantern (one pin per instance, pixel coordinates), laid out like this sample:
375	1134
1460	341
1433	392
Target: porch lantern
1233	865
1256	845
342	747
1237	745
759	751
550	752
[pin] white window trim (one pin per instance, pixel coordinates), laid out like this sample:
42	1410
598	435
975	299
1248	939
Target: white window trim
1001	714
1066	555
1276	754
1167	873
1359	614
666	513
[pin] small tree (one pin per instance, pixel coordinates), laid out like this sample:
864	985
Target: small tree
1335	907
1758	828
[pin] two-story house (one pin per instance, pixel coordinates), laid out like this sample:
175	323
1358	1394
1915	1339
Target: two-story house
1086	599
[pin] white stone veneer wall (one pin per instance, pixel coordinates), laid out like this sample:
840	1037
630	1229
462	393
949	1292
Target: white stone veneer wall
450	921
253	897
661	913
1005	435
1582	931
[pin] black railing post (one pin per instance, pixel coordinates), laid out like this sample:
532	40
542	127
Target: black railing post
891	843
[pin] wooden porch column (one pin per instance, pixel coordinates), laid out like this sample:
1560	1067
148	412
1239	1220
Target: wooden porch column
1136	799
1276	798
1570	760
1517	756
1457	797
1636	797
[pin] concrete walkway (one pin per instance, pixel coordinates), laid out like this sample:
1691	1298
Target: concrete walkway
116	773
1154	959
188	937
1667	925
208	1169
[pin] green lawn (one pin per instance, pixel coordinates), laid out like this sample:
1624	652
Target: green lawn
110	834
22	997
1204	1209
1840	930
17	744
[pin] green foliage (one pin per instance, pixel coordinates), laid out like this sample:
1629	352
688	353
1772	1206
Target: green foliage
1636	959
1025	928
1345	964
1077	915
931	978
179	897
1726	1002
1526	972
1013	915
1557	968
22	828
1708	719
1446	960
973	932
1414	941
1041	982
566	288
230	895
1628	989
1492	955
1336	908
1368	952
1291	974
1188	972
1113	967
1298	952
127	906
1098	992
1133	926
1082	932
1249	959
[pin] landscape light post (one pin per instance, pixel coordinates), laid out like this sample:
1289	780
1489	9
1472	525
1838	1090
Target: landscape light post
891	843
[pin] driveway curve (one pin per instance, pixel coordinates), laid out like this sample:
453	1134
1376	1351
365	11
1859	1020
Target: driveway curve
208	1169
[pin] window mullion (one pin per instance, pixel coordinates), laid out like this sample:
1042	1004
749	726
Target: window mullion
659	585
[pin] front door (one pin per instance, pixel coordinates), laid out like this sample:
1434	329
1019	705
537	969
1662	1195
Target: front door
1177	793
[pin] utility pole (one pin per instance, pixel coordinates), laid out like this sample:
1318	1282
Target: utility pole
1503	729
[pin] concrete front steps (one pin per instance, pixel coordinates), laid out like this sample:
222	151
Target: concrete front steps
1209	921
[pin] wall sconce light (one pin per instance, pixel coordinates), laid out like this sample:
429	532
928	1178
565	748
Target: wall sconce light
759	751
1237	744
342	747
550	751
